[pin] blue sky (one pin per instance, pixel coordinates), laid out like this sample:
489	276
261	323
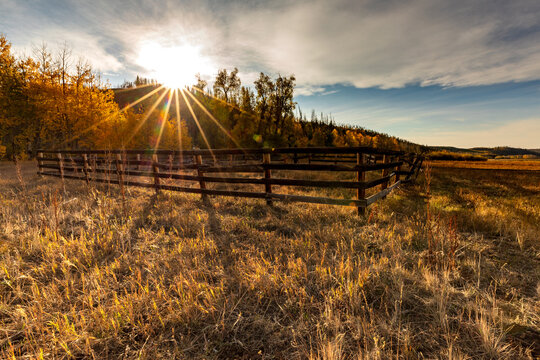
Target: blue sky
489	115
460	73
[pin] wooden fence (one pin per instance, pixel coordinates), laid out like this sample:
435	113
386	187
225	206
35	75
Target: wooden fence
163	170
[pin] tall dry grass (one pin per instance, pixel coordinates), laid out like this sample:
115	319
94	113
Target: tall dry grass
84	276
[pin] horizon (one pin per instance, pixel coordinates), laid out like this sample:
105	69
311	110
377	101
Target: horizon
463	75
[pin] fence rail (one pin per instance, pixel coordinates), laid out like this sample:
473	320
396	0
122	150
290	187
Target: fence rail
163	169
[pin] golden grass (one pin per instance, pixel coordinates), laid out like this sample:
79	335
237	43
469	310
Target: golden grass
513	164
174	277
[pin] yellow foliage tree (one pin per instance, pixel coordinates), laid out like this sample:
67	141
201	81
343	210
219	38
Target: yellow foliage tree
49	102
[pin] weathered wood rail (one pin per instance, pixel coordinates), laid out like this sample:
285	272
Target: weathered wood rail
163	169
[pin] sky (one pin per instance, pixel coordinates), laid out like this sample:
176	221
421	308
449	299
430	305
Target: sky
459	73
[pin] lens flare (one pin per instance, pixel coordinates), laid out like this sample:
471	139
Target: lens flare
155	138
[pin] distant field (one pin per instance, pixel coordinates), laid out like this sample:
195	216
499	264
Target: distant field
511	164
447	268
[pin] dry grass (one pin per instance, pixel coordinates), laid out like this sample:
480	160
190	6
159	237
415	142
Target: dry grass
533	165
173	277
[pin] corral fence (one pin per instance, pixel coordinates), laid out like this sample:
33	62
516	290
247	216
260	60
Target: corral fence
191	171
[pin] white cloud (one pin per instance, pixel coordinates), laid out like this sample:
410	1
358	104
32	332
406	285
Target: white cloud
364	43
367	45
307	90
82	46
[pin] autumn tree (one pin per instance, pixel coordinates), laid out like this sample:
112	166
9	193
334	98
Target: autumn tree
264	87
282	100
201	84
247	100
16	108
53	102
227	85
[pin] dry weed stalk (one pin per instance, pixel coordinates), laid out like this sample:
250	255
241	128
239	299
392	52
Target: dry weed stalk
56	209
429	220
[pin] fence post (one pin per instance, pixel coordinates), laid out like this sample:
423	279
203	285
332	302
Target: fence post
202	184
73	164
94	164
398	169
413	168
360	176
384	185
119	169
61	165
267	177
181	163
138	162
40	163
107	161
419	167
155	171
170	158
85	168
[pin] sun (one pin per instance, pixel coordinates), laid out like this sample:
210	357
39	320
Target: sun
174	67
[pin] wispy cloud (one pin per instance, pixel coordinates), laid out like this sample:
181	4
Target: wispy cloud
395	43
307	90
364	43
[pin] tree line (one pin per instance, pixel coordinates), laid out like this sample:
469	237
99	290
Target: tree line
55	101
139	81
264	115
51	100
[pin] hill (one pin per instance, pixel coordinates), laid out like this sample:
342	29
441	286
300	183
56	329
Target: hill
253	120
488	153
126	96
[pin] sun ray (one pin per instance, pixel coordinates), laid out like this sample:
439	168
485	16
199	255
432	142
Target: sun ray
179	124
142	98
81	133
147	115
227	185
252	115
203	108
163	118
224	102
197	123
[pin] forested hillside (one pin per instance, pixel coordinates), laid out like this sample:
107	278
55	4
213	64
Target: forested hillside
260	116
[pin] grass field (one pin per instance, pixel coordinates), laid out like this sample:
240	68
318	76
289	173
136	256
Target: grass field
446	268
533	165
